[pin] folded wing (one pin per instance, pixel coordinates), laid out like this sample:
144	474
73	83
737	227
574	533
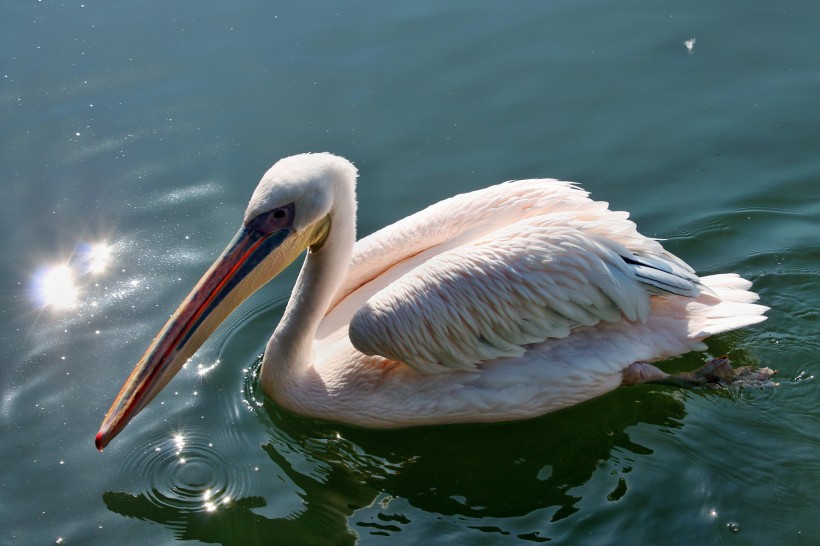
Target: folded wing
519	284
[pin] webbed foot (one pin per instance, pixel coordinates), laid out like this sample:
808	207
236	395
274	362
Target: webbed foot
719	372
715	373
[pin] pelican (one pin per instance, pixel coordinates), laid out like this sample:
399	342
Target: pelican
500	304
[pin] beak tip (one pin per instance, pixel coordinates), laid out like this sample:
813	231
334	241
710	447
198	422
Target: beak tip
100	441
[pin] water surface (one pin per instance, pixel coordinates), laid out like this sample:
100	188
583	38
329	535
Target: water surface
134	132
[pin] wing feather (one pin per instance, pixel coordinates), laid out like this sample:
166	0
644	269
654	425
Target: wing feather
530	280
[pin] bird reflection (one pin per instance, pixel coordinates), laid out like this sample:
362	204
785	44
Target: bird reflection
497	471
484	476
234	524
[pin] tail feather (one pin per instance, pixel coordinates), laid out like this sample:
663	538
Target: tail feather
728	307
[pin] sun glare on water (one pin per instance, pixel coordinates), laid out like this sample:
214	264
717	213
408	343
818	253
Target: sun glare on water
98	256
58	287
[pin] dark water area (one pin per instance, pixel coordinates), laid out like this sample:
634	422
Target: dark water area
133	134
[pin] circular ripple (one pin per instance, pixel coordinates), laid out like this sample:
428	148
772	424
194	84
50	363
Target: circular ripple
187	472
251	388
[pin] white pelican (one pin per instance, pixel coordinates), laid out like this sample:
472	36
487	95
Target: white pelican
503	303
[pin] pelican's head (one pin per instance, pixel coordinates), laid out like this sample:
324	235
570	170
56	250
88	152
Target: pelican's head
310	182
290	211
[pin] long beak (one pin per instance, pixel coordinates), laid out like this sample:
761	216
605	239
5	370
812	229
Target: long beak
251	259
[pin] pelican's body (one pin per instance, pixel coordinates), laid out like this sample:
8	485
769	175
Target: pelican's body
500	304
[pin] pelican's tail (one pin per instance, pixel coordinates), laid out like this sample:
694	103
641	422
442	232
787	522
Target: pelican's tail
726	304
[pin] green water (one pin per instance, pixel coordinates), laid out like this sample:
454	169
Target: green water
146	125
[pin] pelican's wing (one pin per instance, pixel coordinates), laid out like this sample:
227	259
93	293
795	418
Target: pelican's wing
533	279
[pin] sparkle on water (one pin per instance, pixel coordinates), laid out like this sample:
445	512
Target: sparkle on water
179	441
98	256
203	370
723	168
56	287
59	286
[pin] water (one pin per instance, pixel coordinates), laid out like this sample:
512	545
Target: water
144	126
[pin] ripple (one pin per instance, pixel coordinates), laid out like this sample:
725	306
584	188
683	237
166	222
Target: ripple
252	394
186	472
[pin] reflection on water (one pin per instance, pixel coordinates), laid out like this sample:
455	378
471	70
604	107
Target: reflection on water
205	369
98	256
713	145
55	287
61	286
186	472
78	298
515	479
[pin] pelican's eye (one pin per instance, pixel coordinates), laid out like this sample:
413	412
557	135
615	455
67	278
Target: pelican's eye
273	220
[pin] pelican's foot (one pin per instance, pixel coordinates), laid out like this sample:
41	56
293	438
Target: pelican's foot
715	373
639	373
719	372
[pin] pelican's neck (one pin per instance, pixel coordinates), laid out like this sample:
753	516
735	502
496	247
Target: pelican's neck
289	351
